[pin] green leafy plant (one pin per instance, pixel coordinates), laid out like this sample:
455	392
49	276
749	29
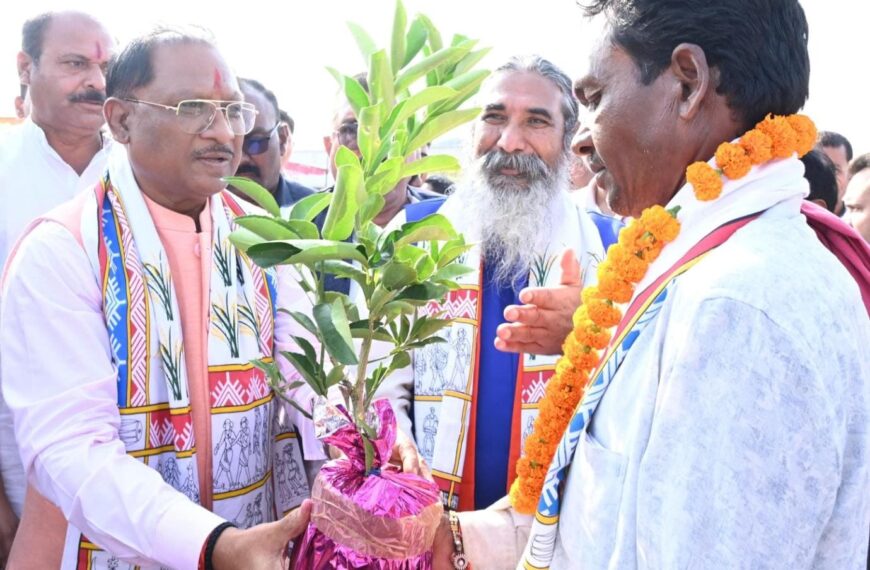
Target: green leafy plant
416	90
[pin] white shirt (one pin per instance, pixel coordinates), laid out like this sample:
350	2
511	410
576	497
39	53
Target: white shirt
736	433
33	180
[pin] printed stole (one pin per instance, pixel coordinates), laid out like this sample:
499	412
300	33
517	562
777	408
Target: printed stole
258	473
446	380
642	312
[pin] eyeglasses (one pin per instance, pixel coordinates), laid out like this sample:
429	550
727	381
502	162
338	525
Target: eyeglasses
195	116
259	145
347	134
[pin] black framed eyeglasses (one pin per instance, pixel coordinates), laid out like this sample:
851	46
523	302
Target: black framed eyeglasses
347	134
259	144
195	116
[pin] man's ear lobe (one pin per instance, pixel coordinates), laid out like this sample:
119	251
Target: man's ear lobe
283	137
689	66
117	116
25	65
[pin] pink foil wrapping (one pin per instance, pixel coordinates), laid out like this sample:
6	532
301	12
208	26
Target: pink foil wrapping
385	520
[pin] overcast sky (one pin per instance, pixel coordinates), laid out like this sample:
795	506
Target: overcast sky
287	45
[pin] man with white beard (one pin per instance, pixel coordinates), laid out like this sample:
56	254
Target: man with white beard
514	206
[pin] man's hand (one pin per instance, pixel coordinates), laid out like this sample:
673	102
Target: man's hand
405	453
540	325
442	548
262	547
8	526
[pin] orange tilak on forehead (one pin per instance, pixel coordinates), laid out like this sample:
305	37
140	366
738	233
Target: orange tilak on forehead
98	52
218	79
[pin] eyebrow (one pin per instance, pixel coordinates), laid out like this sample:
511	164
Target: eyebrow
540	111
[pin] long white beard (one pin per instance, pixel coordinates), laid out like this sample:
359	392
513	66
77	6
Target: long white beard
511	219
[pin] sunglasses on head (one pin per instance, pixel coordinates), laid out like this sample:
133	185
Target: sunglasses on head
258	145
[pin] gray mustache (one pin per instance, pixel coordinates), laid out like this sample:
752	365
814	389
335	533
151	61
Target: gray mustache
528	165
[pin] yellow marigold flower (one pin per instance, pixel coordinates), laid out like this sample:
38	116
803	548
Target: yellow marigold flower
757	145
806	133
732	160
628	266
782	135
705	180
590	295
580	315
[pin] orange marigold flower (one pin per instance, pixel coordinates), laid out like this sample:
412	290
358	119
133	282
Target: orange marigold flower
660	223
806	133
629	266
590	294
732	159
782	135
604	314
627	236
705	180
757	145
614	288
591	335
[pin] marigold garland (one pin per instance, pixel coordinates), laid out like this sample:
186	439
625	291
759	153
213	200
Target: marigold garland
627	261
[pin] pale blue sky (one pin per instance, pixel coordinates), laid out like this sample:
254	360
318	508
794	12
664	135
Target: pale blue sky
287	45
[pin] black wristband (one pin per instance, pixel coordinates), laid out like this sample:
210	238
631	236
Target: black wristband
212	541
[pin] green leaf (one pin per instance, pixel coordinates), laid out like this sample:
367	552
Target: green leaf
424	267
451	272
470	60
337	75
423	292
360	329
332	321
446	56
380	297
306	369
363	40
266	227
386	177
397	45
431	163
421	343
339	217
355	94
255	192
434	35
423	98
415	39
396	308
345	270
308	349
381	81
371	207
436	126
424	327
432	227
368	137
304	229
335	376
305	251
397	275
302	319
451	250
308	207
466	85
346	157
400	360
243	239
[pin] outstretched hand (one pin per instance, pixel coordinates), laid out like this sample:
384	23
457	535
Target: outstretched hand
541	323
262	547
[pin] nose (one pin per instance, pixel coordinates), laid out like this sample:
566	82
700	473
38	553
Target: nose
220	129
581	144
511	138
96	77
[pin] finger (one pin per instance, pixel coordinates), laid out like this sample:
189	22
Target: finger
524	314
296	520
425	471
410	458
562	297
571	274
523	333
525	348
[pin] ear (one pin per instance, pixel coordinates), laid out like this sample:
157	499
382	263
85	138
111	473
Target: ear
25	65
283	138
689	66
117	114
819	202
327	144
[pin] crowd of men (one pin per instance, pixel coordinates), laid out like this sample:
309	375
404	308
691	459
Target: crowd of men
736	434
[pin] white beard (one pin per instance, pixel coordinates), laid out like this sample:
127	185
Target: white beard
512	220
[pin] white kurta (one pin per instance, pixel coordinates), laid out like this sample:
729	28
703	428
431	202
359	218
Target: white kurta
736	433
33	180
61	387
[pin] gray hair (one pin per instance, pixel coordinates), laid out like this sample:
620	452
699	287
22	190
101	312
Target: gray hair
546	68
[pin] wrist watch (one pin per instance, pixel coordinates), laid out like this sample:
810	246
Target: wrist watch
460	560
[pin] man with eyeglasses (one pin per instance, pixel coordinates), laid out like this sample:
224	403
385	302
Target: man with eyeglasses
56	151
264	147
127	329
